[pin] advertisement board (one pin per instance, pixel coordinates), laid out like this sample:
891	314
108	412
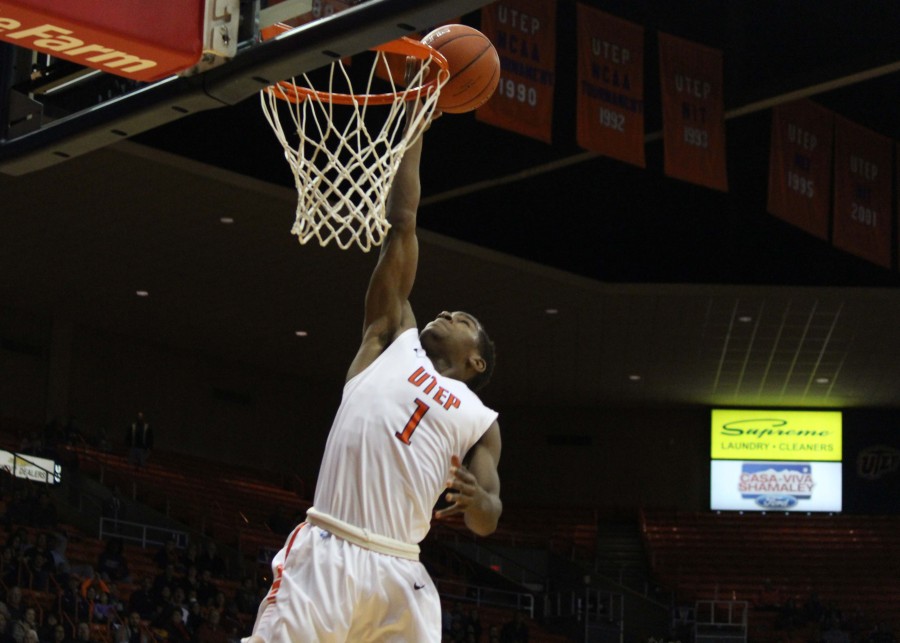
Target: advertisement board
30	467
776	460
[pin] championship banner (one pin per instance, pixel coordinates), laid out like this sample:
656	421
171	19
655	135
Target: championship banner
693	112
862	192
610	86
800	165
524	34
136	39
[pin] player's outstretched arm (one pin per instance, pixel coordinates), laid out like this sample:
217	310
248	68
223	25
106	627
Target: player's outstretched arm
387	309
475	487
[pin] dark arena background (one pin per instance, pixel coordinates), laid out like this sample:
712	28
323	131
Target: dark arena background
735	249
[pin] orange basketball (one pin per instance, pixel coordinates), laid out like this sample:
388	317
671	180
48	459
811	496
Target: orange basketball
474	67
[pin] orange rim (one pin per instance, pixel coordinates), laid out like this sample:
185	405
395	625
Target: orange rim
286	90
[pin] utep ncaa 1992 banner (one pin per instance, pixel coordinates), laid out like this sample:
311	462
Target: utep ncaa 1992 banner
610	86
862	192
800	165
524	34
693	112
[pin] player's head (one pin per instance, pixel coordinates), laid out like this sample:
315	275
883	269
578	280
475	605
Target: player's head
460	348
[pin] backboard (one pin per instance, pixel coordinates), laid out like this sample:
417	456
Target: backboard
73	82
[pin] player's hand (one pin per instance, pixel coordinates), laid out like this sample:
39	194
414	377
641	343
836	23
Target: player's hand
463	490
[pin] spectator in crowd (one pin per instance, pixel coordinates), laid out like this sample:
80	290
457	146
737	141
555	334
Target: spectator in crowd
15	608
57	541
9	566
211	630
179	600
162	603
72	603
175	629
131	630
22	627
516	630
102	610
190	582
166	578
457	631
142	600
833	633
206	587
18	541
139	440
112	565
46	630
195	616
190	557
5	629
881	634
231	618
41	570
494	634
83	633
473	624
167	555
59	634
210	559
246	597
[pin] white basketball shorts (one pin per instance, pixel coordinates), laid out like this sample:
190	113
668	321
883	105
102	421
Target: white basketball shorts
328	590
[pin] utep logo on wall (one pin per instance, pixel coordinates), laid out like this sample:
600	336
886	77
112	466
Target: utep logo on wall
876	462
776	485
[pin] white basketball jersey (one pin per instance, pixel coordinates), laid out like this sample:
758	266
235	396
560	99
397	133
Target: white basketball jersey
387	459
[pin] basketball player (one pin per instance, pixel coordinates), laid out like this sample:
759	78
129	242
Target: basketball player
409	426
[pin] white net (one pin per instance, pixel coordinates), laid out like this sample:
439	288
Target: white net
344	157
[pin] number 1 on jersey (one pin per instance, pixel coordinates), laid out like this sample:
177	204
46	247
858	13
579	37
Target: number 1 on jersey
414	419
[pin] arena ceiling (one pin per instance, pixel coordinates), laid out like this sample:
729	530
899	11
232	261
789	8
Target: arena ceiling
601	283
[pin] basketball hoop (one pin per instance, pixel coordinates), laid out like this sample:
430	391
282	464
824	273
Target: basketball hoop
343	170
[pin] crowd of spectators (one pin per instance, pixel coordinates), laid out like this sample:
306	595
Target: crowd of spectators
174	594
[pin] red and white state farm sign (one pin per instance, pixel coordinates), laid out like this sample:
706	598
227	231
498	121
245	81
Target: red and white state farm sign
144	41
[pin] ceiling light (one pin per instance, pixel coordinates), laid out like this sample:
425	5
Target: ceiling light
745	319
634	377
551	311
141	293
227	220
300	333
822	380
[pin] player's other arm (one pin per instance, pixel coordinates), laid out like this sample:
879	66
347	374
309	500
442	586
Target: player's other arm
475	486
387	309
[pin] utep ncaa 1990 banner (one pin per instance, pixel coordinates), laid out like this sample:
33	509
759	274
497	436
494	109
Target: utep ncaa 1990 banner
524	34
610	86
800	165
693	112
136	39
